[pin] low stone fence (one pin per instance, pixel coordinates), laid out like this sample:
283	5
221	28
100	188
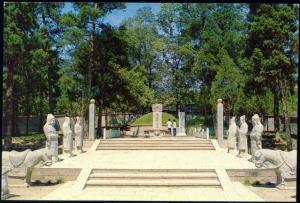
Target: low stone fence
45	175
261	175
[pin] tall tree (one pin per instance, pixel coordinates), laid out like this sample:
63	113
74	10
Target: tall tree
269	48
18	21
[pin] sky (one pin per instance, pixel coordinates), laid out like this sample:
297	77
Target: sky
117	16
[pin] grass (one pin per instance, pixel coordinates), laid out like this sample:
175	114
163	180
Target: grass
247	182
148	118
60	180
31	138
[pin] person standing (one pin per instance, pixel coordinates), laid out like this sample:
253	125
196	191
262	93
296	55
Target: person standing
174	127
169	125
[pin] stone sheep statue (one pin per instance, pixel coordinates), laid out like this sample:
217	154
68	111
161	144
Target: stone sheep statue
284	163
25	161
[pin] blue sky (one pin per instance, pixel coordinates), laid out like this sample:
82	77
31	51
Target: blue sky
117	16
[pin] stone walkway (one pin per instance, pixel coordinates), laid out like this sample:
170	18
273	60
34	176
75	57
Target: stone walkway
217	159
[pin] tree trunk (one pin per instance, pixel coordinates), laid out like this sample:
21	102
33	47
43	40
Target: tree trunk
9	108
91	63
27	112
99	133
276	110
283	91
15	117
41	111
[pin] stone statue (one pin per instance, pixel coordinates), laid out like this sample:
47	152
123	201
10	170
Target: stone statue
23	162
284	163
255	135
242	135
50	131
4	183
232	135
78	129
68	136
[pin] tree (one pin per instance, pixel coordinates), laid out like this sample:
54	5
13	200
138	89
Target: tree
269	49
142	34
80	29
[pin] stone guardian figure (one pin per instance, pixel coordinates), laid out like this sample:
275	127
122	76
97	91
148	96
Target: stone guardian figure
232	135
50	131
242	133
68	136
78	129
255	136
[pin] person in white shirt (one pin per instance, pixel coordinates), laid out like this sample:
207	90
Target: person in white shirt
174	127
169	125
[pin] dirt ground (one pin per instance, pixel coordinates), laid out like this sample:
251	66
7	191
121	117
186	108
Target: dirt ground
35	192
274	194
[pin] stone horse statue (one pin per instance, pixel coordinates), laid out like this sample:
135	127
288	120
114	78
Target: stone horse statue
22	163
283	162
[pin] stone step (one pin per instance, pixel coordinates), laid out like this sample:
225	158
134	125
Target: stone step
155	140
180	138
155	183
156	144
204	178
161	170
153	176
154	148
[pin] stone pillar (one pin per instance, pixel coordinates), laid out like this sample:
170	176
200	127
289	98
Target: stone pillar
220	119
157	116
92	120
181	126
207	133
104	133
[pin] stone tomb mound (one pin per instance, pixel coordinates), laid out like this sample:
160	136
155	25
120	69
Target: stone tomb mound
156	144
200	178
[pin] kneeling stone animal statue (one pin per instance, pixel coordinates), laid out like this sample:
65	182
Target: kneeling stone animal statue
284	163
23	162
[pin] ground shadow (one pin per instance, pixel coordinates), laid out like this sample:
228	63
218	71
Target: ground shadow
266	185
11	195
38	183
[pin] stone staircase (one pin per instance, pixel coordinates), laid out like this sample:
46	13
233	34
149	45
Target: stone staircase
200	178
156	144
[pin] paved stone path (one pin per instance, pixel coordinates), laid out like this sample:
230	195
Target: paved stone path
217	159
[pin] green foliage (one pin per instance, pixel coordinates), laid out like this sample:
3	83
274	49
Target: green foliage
31	138
147	119
200	120
247	182
187	53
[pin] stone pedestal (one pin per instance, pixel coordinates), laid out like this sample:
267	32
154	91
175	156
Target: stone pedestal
92	120
220	119
157	116
181	128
